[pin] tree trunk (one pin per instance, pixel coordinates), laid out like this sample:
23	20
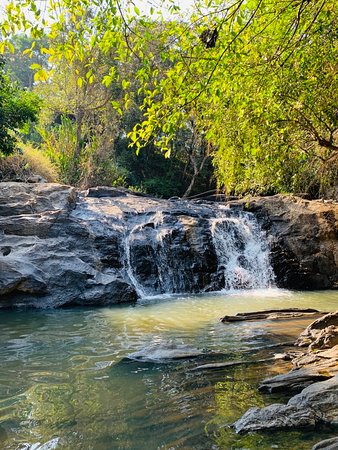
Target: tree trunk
78	146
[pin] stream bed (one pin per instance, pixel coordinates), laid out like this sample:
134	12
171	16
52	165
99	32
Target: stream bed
66	381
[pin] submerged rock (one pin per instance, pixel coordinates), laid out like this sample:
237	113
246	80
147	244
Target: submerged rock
50	445
166	351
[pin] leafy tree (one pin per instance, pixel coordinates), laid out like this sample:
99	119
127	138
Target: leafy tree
27	53
256	78
17	107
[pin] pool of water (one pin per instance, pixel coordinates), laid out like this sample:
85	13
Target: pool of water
65	381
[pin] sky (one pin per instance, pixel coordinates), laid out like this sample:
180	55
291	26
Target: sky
143	5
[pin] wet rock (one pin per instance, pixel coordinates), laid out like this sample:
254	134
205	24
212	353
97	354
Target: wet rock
165	351
319	397
62	247
50	445
304	244
328	444
318	362
271	314
222	365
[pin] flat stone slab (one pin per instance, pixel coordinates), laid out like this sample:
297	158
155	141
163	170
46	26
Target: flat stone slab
165	352
271	314
293	381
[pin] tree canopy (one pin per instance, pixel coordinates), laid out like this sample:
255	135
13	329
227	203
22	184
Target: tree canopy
256	78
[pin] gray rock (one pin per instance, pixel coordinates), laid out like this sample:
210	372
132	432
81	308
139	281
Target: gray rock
304	245
315	405
272	314
322	397
322	333
165	351
293	381
276	417
61	247
328	444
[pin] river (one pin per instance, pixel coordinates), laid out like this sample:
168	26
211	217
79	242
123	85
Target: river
65	381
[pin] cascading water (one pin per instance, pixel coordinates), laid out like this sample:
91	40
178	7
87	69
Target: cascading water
242	252
196	250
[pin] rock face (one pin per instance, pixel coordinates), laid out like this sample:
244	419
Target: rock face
104	246
304	244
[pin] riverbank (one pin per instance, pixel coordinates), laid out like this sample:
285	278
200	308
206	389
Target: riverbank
312	384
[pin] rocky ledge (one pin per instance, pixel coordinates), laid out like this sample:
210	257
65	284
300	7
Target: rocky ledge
104	246
314	379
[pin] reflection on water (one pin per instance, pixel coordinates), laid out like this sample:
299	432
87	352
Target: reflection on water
65	381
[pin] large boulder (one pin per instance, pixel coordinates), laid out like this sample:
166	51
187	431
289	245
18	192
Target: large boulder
304	239
49	256
104	246
322	333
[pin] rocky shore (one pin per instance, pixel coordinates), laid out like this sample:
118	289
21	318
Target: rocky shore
312	385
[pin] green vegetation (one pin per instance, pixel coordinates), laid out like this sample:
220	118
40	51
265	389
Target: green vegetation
17	107
241	94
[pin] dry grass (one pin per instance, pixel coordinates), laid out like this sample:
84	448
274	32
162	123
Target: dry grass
25	163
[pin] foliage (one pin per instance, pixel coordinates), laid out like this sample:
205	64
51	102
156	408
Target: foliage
18	63
58	144
257	79
17	107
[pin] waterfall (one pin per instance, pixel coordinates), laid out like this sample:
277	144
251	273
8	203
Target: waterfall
242	252
201	249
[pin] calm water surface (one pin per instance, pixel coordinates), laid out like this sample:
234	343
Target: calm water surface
65	382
